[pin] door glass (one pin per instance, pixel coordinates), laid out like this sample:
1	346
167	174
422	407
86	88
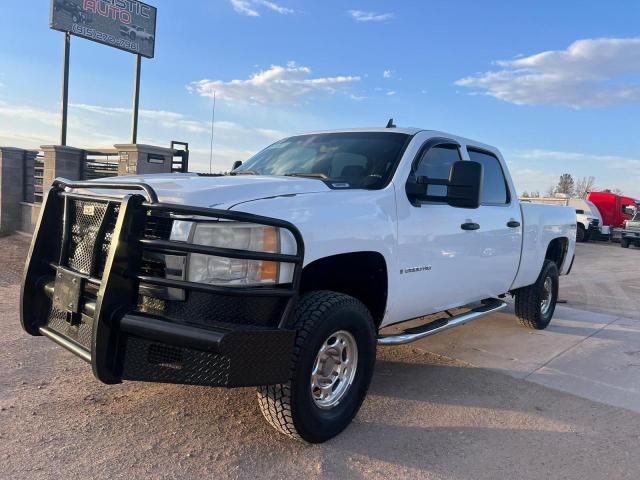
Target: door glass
436	163
494	185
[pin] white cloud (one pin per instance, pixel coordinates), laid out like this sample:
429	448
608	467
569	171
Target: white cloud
277	85
590	73
362	16
250	7
164	118
387	74
538	169
97	126
28	113
610	161
391	93
274	7
243	7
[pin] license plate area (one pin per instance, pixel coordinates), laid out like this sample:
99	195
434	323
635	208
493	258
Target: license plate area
67	291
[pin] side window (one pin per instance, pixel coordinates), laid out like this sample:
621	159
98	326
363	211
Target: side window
494	185
436	163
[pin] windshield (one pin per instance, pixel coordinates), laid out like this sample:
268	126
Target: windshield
342	160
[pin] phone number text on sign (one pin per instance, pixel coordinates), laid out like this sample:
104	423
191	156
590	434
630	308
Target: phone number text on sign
104	37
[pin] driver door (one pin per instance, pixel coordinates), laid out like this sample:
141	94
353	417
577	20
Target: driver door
438	259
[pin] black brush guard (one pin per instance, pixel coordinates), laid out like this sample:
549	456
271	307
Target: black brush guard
112	334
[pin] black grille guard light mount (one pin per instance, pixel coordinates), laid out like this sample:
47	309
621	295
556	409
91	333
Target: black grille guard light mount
118	287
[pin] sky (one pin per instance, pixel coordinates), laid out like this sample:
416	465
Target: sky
554	85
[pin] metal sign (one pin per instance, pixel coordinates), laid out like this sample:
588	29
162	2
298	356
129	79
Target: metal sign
129	25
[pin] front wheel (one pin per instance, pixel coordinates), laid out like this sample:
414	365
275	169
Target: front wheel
581	234
536	303
331	368
624	243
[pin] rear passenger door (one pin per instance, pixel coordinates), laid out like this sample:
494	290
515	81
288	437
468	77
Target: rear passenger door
499	237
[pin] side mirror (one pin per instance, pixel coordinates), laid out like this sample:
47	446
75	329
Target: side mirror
463	186
236	164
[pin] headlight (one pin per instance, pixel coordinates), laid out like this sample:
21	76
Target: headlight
217	270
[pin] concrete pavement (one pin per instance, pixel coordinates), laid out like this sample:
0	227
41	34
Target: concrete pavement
447	413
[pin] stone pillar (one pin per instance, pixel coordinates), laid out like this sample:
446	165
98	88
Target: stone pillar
139	159
12	171
61	161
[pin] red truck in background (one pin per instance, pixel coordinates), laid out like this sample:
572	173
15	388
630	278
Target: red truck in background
614	209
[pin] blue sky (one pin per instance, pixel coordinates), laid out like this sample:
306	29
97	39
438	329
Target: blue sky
555	85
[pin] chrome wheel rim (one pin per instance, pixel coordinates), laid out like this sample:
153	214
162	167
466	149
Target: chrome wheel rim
547	295
334	369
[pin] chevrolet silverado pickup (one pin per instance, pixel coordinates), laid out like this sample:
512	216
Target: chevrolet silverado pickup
289	272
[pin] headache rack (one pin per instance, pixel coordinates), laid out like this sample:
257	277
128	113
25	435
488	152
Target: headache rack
95	259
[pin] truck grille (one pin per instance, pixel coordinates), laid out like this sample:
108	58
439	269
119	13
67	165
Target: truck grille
90	237
87	219
91	234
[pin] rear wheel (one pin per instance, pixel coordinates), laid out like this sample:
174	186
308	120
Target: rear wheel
536	303
624	243
332	364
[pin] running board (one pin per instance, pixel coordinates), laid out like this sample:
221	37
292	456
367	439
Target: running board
416	333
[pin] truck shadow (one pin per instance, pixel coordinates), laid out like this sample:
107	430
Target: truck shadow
451	420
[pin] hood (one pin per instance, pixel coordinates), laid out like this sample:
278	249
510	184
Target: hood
222	192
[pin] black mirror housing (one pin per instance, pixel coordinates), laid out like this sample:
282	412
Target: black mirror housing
463	186
236	164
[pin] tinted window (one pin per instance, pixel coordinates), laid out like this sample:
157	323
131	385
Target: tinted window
494	185
436	163
350	159
579	212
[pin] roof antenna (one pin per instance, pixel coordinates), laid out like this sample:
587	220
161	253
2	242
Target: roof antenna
390	124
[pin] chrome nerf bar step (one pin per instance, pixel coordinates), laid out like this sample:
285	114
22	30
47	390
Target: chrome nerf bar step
417	333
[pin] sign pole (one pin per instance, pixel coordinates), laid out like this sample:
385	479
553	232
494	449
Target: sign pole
136	100
65	88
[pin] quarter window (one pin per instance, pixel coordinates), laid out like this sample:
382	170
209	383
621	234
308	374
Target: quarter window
494	185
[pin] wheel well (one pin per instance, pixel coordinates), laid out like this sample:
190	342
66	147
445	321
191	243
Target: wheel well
557	250
362	275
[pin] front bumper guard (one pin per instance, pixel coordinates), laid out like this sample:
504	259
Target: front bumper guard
126	344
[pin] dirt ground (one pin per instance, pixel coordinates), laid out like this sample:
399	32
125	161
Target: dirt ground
426	417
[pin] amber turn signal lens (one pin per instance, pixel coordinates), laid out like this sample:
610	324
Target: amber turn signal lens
271	243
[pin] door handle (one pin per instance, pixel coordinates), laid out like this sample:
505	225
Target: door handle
513	224
470	226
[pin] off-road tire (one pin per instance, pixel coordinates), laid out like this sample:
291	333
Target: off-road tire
624	243
529	299
581	234
289	407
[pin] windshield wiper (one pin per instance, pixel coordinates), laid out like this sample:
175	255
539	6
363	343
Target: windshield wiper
245	172
310	175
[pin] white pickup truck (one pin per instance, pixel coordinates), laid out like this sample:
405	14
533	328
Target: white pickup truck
286	273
